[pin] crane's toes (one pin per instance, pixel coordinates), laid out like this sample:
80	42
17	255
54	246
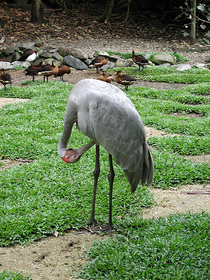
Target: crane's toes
106	228
92	222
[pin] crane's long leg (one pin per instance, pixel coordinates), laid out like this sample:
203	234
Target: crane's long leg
111	181
96	173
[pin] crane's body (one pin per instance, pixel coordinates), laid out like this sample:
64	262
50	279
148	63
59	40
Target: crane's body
107	116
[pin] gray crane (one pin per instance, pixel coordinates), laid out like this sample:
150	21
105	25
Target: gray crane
107	116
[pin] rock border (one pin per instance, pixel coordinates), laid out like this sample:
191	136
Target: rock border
81	60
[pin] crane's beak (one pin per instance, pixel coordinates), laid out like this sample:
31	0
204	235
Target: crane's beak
85	148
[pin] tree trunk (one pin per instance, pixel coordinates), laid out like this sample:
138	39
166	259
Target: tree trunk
107	11
193	23
37	11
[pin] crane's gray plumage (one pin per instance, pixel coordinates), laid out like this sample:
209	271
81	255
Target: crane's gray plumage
107	116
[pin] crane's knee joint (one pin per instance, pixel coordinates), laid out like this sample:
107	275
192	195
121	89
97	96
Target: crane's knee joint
96	172
111	176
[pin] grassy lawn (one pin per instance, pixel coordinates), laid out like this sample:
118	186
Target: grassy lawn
48	195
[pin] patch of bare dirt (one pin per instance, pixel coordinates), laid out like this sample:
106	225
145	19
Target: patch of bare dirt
199	159
190	198
4	101
190	115
50	258
8	163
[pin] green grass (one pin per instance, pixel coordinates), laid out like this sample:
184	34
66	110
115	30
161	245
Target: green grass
5	275
167	74
176	247
193	94
48	195
183	145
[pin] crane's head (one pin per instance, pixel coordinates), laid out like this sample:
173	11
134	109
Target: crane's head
71	156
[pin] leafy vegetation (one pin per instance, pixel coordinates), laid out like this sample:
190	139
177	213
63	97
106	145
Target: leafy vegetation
5	275
169	75
185	95
183	145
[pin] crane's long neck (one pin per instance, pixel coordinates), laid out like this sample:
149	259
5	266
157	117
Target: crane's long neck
62	145
69	121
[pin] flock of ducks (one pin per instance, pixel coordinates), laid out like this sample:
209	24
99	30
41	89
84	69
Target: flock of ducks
47	70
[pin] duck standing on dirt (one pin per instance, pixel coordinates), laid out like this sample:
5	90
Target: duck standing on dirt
48	70
125	80
99	61
5	78
62	70
105	77
33	69
139	59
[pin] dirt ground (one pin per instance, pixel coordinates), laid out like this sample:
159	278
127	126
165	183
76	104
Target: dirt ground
61	257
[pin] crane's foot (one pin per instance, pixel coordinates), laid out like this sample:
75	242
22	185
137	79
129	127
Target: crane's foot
92	222
107	228
102	228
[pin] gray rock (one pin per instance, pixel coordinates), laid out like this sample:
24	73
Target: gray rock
113	59
27	46
8	51
46	54
103	53
64	51
57	56
50	60
74	63
183	67
5	65
166	65
124	62
87	61
162	58
91	55
49	49
147	55
108	65
78	54
39	44
15	56
201	66
72	52
23	64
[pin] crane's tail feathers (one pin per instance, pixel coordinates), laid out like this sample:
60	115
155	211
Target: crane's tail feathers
148	170
144	173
